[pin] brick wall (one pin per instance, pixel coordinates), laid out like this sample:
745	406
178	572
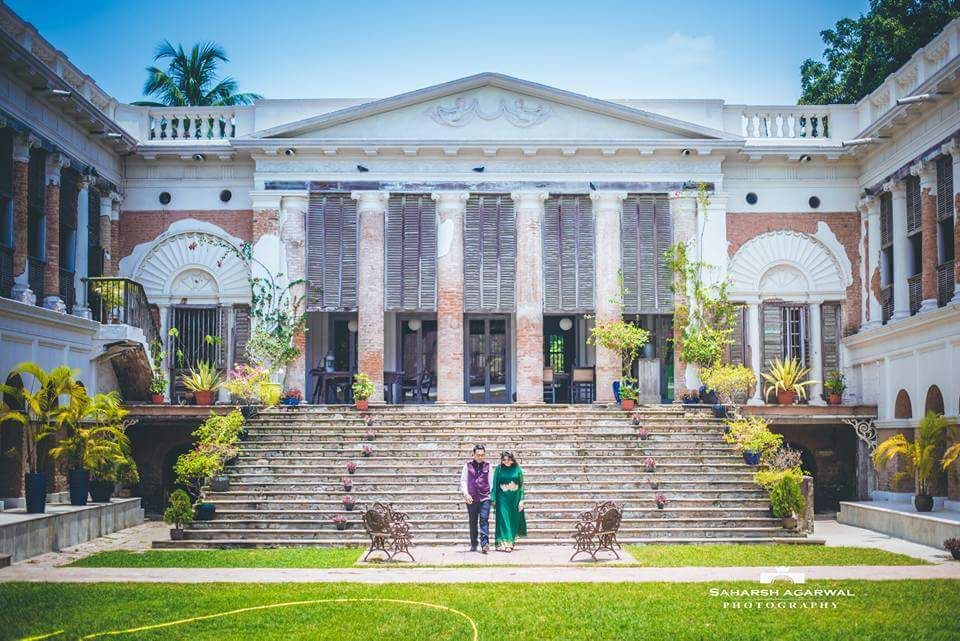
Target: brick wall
845	226
138	227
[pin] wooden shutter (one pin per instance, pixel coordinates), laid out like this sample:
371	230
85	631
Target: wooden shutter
331	252
645	234
886	219
568	248
944	188
223	322
738	342
411	253
241	332
830	336
489	254
772	334
913	203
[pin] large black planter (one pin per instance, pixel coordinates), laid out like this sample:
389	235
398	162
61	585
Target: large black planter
707	397
36	490
205	511
923	503
101	491
79	482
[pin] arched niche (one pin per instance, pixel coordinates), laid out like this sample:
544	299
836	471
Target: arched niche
934	401
902	408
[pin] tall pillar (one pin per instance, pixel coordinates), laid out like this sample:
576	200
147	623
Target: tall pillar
901	249
106	233
21	171
371	210
528	206
607	211
293	225
816	354
954	150
451	206
51	268
870	211
683	213
115	255
928	231
82	264
756	351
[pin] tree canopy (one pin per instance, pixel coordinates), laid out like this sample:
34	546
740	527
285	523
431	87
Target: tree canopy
860	52
190	79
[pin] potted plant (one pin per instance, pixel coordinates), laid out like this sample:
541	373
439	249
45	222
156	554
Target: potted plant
366	450
626	339
362	391
732	384
919	457
347	484
643	433
351	467
35	406
369	435
786	500
349	502
292	398
690	397
636	418
661	501
178	512
752	437
785	379
245	383
340	522
952	546
203	380
650	464
158	388
653	483
835	386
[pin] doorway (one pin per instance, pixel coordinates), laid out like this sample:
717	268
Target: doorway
487	356
417	368
560	351
199	338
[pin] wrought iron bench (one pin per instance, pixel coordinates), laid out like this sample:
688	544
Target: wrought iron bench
597	530
388	530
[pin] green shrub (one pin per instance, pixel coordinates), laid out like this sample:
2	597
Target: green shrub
220	429
179	510
751	434
732	383
786	499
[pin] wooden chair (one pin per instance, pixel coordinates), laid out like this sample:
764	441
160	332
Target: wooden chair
549	386
597	530
388	530
581	385
419	388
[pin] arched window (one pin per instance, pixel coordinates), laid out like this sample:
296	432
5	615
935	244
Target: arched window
903	408
934	401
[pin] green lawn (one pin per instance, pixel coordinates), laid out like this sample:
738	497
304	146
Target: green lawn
874	610
254	558
726	555
646	555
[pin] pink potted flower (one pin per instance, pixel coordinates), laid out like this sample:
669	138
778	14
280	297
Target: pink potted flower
349	502
369	421
351	467
347	483
340	522
661	501
636	418
650	464
643	433
369	435
653	483
367	450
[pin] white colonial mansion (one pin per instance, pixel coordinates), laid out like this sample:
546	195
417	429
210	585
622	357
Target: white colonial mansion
457	242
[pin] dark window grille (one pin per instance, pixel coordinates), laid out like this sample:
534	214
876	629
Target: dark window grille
913	204
945	284
36	200
914	284
794	321
886	219
945	188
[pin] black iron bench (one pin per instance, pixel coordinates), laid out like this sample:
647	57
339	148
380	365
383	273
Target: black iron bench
597	530
388	530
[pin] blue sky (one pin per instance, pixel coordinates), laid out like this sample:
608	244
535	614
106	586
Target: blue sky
746	51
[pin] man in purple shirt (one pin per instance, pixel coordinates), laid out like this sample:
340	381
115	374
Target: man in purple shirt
476	479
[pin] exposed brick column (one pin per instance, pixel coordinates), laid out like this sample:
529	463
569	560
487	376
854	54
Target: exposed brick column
450	211
21	169
954	150
683	212
115	200
928	229
371	210
293	235
106	234
870	214
51	268
529	328
607	210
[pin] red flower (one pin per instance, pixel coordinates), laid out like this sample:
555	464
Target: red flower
192	246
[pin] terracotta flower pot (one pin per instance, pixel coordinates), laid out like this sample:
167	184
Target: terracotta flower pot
834	399
204	397
362	405
157	399
627	404
786	397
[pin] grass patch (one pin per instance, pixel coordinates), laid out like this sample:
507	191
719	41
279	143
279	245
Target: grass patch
874	610
239	558
773	554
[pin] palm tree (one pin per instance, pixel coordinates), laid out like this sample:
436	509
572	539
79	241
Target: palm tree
919	457
190	79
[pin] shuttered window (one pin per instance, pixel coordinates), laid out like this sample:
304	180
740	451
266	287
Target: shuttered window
241	332
568	245
945	188
95	254
913	203
331	252
830	335
738	340
411	253
886	219
772	334
489	254
645	234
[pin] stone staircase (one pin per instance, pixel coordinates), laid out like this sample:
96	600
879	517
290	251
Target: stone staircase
285	486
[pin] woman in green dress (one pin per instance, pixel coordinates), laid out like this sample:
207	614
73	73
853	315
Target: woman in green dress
506	499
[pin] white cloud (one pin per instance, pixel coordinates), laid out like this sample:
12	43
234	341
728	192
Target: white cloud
678	49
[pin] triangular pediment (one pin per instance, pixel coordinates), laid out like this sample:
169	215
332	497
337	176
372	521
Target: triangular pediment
492	107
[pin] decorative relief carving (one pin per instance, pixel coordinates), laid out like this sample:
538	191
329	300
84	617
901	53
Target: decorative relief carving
193	283
865	430
783	279
765	262
464	110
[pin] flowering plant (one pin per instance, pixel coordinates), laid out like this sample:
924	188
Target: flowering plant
367	450
347	483
244	381
293	394
351	467
650	464
643	433
660	500
349	502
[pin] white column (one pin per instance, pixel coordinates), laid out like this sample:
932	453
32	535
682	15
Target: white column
901	250
451	207
712	236
756	349
293	234
871	208
607	210
683	214
816	355
83	249
529	296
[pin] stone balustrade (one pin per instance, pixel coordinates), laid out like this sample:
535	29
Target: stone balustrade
193	124
785	122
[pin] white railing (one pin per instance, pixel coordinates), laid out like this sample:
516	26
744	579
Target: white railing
784	122
193	123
